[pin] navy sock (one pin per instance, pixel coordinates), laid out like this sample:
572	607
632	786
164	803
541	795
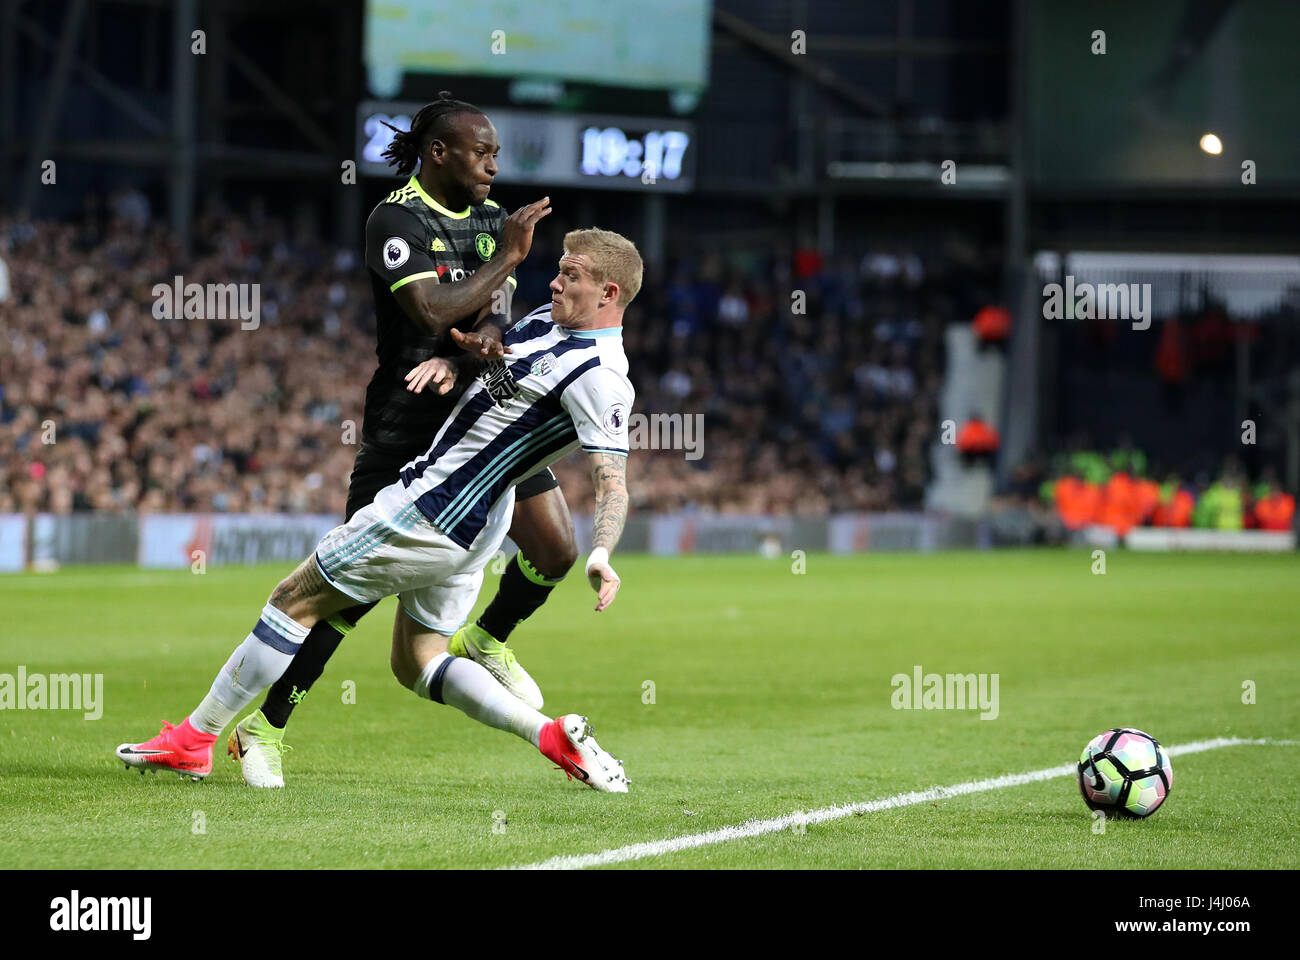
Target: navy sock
521	592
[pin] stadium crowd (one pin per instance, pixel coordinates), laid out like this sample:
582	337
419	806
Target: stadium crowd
825	404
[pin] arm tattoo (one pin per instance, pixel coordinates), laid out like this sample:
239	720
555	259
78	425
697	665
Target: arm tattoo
609	476
303	583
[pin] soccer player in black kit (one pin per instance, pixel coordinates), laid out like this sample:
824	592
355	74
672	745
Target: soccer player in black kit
441	257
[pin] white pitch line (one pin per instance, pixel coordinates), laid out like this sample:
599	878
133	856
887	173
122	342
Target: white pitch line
756	828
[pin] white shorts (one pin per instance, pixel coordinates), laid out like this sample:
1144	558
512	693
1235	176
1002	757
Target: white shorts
390	547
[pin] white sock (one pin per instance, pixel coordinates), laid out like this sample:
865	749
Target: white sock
473	691
256	664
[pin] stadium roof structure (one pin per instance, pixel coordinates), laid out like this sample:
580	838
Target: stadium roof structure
192	129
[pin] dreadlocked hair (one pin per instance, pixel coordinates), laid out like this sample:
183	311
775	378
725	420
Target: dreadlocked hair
431	123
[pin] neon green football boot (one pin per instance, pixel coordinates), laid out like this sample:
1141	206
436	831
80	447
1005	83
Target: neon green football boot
259	747
477	644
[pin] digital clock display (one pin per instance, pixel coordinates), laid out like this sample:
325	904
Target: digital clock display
650	156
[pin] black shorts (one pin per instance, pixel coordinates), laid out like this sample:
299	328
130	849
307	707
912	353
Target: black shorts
375	469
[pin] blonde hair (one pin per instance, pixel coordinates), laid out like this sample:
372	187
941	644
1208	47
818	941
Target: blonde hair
614	259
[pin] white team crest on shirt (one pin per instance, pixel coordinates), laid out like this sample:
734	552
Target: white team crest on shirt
542	365
615	417
396	252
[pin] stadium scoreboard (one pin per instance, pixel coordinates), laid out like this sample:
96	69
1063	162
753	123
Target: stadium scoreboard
595	151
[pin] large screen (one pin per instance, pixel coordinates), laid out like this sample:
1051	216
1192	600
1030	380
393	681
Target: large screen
662	44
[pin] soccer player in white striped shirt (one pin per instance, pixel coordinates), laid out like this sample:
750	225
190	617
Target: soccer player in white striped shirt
560	383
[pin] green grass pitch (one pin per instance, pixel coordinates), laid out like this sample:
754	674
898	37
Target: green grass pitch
771	694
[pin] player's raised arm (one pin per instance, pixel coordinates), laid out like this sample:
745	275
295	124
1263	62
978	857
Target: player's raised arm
395	250
609	476
486	341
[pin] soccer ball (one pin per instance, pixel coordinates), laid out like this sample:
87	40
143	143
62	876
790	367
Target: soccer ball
1126	773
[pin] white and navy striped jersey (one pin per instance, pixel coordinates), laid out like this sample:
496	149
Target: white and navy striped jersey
557	390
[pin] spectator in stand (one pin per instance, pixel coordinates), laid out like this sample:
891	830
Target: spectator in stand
992	326
1129	497
1273	509
1176	505
1119	503
1221	507
1078	501
1148	498
977	441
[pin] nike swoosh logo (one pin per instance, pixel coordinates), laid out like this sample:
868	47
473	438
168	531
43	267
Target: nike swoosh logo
239	742
144	753
580	773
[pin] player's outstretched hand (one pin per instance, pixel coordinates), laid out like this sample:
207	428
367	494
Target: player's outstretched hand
480	344
517	235
436	370
605	582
